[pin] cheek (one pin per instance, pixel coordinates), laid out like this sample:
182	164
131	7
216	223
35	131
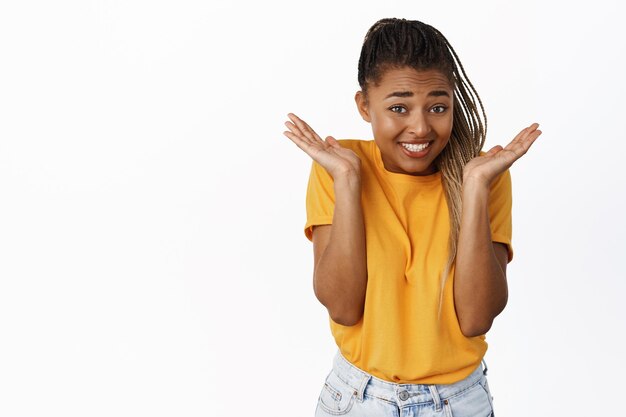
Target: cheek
444	128
385	126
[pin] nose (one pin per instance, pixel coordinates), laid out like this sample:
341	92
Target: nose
419	125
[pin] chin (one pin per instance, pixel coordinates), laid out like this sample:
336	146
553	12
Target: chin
421	169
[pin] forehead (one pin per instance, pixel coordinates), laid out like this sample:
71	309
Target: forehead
407	79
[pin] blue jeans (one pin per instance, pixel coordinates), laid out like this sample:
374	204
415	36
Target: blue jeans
349	391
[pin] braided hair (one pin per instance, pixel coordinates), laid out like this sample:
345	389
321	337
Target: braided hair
395	43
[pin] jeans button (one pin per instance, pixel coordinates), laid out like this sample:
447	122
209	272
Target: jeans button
404	395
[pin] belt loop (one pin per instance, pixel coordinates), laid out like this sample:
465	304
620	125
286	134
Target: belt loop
359	394
435	394
484	366
355	378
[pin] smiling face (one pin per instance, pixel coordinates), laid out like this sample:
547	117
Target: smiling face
411	116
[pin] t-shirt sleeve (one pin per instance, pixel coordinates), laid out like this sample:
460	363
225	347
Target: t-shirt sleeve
320	199
500	205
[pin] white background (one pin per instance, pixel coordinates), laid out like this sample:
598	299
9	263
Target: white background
152	258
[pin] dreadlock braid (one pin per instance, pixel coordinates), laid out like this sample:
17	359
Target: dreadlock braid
394	43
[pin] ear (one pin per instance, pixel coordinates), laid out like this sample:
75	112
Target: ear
361	104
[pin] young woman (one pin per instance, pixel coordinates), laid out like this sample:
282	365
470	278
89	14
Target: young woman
411	232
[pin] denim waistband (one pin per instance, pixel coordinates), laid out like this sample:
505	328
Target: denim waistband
402	394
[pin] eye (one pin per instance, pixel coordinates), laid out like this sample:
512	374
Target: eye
397	109
439	109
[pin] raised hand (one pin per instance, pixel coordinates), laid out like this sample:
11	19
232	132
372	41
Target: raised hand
329	153
487	167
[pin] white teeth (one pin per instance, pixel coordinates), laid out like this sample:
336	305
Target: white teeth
415	147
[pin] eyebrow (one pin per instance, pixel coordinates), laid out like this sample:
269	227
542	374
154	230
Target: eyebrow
434	93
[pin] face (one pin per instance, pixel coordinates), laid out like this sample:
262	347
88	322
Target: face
411	116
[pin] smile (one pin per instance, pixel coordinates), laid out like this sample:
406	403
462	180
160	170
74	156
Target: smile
415	147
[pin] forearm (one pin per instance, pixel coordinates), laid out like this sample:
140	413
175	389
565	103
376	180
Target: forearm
480	288
340	278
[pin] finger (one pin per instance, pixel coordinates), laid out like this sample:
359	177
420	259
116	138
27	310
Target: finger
296	135
529	137
530	130
532	127
297	139
295	124
522	145
522	137
333	144
300	142
293	128
296	131
525	131
304	128
310	129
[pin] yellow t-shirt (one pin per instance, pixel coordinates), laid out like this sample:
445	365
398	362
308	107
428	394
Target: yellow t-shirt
400	338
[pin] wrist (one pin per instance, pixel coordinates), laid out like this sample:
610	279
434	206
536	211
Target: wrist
348	179
475	185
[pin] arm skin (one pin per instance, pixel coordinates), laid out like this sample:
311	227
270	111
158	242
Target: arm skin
340	272
480	287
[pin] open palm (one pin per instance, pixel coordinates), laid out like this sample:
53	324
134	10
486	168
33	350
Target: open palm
487	167
329	153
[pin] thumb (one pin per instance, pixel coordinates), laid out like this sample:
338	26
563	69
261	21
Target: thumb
494	150
332	141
